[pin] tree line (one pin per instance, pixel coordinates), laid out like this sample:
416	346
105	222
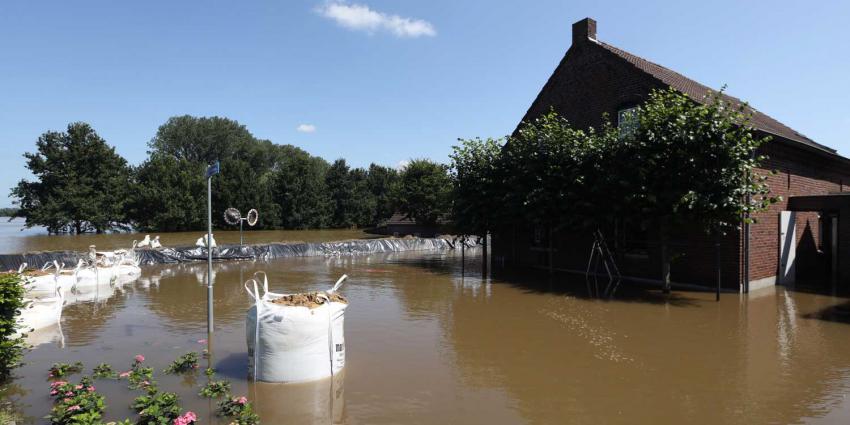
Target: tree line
82	185
675	162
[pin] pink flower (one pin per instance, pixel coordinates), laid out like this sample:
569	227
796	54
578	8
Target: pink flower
124	374
67	400
74	408
78	387
139	358
69	393
240	400
54	392
145	383
57	383
202	341
187	419
91	388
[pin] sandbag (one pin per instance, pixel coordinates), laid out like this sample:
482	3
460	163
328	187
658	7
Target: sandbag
294	343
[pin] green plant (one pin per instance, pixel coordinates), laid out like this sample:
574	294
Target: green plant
184	363
11	304
239	409
59	370
139	376
104	370
215	389
77	404
160	408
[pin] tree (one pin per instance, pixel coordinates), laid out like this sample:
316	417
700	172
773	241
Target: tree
171	192
300	190
341	188
82	184
477	186
424	191
363	203
693	163
381	181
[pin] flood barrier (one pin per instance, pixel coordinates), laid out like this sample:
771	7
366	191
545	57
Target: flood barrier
244	252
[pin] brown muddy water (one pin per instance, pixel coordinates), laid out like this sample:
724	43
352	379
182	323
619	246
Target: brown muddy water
428	344
15	239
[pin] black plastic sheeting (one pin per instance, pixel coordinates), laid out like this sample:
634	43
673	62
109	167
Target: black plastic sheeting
245	252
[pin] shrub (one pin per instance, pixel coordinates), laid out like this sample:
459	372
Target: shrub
11	303
184	363
215	389
239	409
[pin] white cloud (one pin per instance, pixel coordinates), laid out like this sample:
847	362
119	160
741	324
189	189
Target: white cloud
306	128
402	164
360	17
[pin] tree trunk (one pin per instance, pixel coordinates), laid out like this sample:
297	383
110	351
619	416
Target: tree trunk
78	226
665	255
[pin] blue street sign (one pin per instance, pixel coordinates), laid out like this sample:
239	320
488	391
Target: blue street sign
213	169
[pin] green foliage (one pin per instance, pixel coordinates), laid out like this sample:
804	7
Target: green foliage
185	363
156	408
171	188
11	304
239	409
381	182
9	212
215	389
82	184
77	404
694	162
476	185
104	370
139	376
423	192
299	189
60	370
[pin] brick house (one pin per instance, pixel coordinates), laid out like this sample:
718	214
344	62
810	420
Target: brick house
595	78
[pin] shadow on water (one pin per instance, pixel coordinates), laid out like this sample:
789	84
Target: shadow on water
541	282
839	313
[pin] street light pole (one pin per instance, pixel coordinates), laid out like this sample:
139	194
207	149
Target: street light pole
211	171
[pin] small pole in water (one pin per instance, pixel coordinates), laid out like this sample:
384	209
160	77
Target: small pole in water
212	170
717	254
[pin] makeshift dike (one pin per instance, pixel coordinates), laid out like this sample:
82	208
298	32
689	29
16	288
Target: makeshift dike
244	252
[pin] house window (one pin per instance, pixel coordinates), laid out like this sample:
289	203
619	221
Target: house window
627	121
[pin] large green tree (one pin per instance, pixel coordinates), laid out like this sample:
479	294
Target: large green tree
300	190
171	187
477	189
423	192
693	163
81	185
381	181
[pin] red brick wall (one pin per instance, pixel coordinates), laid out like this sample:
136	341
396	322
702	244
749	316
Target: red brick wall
799	172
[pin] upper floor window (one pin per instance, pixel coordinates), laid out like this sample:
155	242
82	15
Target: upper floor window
627	121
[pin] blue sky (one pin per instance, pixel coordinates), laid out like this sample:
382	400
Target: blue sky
384	81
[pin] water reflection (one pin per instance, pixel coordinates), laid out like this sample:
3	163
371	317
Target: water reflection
319	402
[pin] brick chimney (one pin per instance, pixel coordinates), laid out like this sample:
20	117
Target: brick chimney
583	30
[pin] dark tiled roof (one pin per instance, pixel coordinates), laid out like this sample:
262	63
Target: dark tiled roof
698	92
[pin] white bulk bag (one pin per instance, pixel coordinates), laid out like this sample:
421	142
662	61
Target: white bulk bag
294	343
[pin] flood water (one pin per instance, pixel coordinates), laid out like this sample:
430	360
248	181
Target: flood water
428	344
15	239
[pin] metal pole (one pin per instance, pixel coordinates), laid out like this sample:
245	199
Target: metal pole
717	253
210	326
241	220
